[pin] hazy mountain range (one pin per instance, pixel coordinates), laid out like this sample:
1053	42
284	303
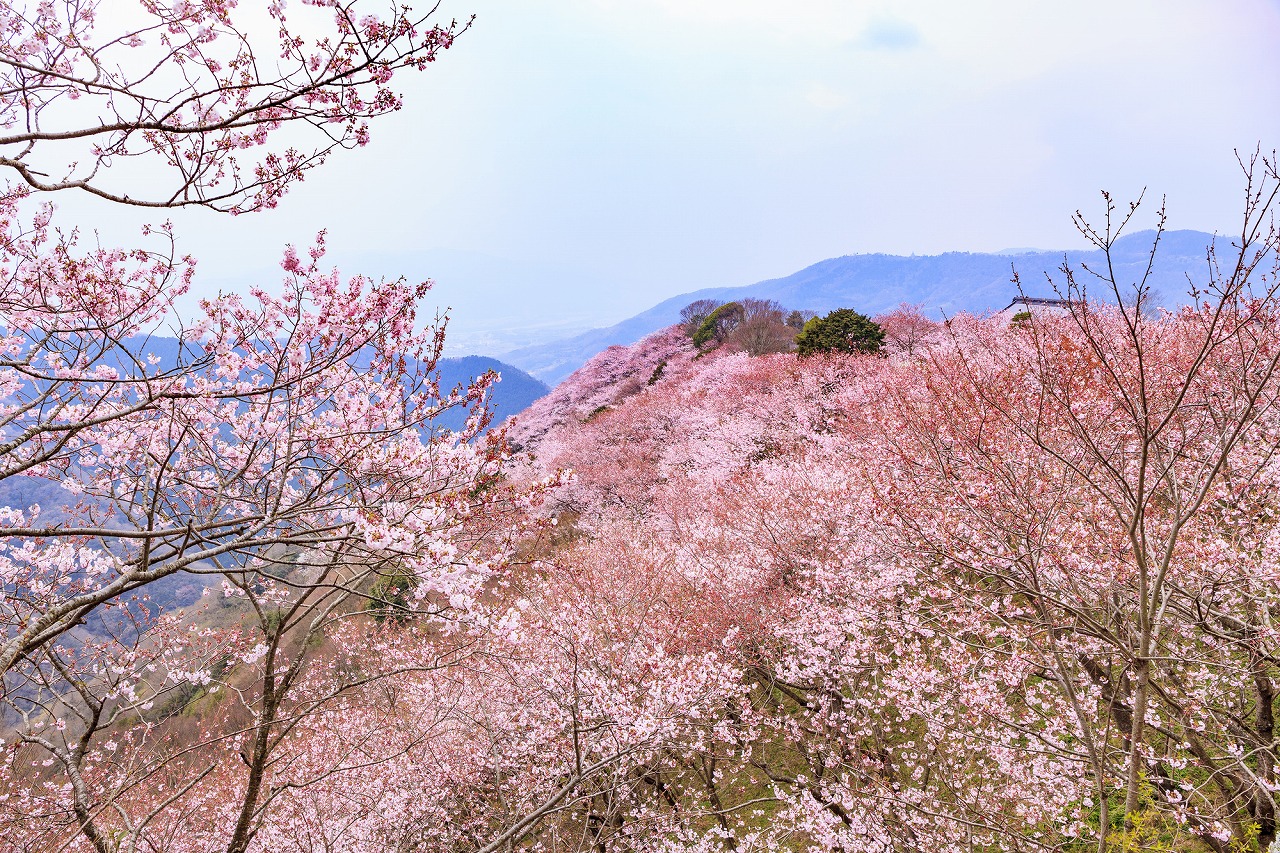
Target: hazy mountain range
875	283
513	394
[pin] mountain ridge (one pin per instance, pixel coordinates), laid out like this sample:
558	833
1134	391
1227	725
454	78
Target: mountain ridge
874	283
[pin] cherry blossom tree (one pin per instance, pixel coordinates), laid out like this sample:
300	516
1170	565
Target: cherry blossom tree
227	106
282	444
253	412
280	426
290	452
907	330
1112	472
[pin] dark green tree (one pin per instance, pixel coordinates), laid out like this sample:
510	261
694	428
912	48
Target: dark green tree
718	324
843	330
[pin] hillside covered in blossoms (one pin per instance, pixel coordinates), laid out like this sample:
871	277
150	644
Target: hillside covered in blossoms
782	575
995	583
930	573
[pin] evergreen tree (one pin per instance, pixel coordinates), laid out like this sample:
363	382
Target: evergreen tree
843	330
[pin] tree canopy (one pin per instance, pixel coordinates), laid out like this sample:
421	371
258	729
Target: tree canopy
843	330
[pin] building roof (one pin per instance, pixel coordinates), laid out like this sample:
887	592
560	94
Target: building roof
1038	302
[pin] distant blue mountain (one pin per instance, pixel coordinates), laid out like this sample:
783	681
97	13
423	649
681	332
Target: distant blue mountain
513	394
943	284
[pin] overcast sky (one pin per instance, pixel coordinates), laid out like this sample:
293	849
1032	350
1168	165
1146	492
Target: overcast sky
571	162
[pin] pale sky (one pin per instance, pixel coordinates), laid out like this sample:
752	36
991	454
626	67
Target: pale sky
571	162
